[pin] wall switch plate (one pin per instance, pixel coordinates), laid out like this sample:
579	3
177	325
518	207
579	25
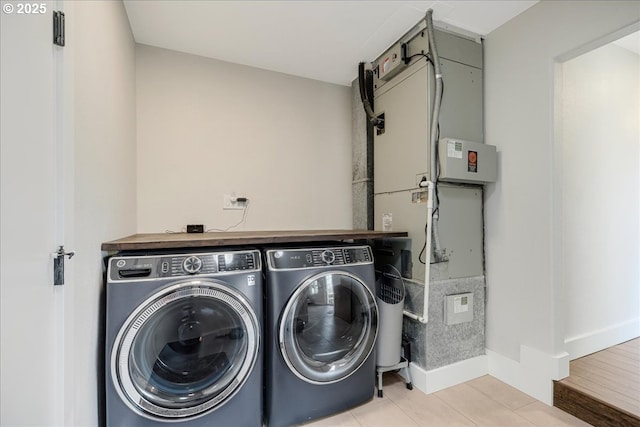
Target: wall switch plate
230	202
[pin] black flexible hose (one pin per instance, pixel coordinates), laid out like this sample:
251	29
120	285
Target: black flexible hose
377	122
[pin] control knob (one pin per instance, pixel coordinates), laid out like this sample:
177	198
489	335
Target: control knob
328	257
192	264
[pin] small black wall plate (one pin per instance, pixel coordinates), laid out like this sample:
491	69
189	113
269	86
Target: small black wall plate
195	228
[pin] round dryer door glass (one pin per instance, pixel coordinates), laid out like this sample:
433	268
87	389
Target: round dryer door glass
328	327
186	350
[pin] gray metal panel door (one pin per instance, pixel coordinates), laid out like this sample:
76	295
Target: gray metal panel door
408	216
460	229
460	232
401	151
461	112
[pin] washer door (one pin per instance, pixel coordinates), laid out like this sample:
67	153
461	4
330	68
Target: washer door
185	351
328	327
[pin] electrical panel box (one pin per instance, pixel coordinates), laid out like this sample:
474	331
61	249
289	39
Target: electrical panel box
466	161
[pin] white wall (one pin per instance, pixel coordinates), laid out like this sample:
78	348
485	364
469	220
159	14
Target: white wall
600	147
525	307
207	127
105	178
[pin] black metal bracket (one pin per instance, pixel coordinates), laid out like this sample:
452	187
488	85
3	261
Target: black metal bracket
58	265
58	28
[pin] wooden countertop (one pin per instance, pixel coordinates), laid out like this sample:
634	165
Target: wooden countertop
237	238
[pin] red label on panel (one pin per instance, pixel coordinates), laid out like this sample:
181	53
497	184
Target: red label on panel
472	162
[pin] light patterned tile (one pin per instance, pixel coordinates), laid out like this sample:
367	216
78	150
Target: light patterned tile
502	393
431	411
344	419
480	408
548	416
382	413
483	402
426	410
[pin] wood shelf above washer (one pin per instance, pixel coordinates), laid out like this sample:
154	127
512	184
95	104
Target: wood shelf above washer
236	238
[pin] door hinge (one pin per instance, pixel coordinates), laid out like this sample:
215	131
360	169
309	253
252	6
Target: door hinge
58	28
58	265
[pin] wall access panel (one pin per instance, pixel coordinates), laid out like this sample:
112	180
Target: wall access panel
401	151
460	229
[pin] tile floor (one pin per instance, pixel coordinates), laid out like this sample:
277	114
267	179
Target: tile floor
483	402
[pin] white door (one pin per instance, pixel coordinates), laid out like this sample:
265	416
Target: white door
33	195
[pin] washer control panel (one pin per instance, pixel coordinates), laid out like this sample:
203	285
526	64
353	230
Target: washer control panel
132	267
288	259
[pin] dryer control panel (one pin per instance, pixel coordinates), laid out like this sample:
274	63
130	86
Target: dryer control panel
291	259
130	268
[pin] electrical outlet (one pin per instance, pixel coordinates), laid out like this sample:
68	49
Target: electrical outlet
230	202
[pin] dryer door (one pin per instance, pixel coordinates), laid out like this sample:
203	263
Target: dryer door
185	351
328	327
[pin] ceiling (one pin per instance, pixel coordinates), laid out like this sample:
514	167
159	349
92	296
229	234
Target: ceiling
321	40
630	42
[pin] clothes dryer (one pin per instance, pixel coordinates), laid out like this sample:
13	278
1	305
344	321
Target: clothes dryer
184	339
321	327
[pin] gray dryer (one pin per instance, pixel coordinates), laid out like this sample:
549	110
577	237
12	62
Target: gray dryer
320	331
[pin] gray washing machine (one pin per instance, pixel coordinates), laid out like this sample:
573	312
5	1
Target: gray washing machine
320	332
184	339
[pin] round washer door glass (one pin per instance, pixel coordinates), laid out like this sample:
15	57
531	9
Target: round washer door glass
186	350
328	327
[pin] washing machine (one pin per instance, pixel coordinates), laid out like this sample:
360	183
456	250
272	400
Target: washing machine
321	327
184	339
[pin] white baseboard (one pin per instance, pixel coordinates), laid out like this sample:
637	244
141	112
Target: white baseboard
533	375
447	376
591	342
536	370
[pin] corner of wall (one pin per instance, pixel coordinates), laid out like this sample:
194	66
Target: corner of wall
533	374
448	376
